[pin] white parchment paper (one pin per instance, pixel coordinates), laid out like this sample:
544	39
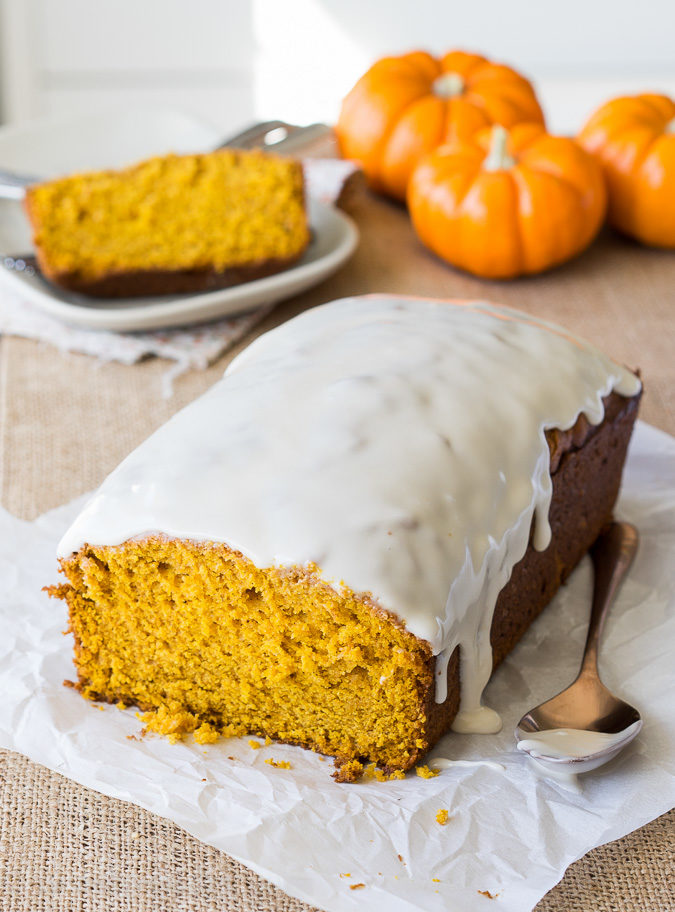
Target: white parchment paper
511	833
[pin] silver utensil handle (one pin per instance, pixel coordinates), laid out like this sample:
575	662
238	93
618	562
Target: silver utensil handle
13	186
612	555
276	136
255	135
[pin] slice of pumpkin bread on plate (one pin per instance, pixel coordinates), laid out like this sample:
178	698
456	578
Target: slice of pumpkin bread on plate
171	224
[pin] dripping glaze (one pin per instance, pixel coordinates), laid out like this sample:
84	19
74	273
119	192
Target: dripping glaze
396	443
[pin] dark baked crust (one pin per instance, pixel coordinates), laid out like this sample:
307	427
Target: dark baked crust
587	463
165	282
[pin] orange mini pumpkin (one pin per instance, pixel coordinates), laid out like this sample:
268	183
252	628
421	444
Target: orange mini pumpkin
506	204
404	107
634	138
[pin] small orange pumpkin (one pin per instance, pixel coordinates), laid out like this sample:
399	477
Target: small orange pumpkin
404	107
634	138
505	204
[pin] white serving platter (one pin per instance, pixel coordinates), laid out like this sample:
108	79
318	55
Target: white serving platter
50	147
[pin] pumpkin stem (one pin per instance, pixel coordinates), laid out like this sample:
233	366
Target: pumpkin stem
448	85
498	158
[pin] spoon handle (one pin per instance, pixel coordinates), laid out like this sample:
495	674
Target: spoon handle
612	555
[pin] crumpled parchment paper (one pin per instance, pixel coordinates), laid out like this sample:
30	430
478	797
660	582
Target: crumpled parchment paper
511	833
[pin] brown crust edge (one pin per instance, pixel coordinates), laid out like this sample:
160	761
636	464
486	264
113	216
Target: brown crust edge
156	283
586	483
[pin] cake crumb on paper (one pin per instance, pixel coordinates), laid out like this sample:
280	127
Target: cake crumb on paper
356	886
353	770
442	816
206	734
349	771
425	772
278	764
254	745
381	776
488	894
435	880
345	875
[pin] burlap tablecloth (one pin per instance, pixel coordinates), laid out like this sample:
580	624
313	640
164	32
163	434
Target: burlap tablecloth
65	421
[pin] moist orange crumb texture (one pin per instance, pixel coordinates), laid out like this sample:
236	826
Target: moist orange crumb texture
216	211
205	642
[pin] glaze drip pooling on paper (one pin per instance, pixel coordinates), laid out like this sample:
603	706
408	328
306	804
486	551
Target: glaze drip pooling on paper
396	443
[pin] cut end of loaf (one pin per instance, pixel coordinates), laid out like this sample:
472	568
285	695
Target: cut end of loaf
206	643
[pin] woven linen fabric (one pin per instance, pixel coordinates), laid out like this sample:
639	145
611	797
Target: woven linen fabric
66	849
66	421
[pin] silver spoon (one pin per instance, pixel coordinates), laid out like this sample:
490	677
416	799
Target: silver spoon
585	725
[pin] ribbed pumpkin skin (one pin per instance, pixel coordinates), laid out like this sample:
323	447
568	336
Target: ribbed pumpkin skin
634	139
393	116
538	211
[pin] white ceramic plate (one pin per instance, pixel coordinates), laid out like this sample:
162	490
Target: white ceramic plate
51	147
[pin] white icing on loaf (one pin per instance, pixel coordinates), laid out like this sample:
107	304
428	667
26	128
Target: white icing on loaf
396	443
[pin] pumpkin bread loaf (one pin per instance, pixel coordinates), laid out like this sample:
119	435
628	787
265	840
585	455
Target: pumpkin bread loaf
176	223
203	581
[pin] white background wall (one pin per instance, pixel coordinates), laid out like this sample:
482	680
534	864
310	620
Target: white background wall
579	52
233	61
